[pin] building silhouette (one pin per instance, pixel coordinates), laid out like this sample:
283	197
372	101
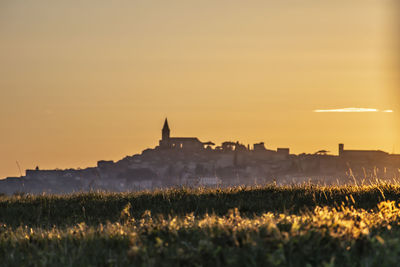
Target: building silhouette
178	161
184	143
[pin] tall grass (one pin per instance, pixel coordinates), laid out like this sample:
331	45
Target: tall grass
95	208
263	226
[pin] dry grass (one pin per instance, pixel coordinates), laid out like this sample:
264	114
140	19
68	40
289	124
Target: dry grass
328	227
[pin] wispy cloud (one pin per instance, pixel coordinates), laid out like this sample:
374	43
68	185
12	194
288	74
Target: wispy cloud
352	110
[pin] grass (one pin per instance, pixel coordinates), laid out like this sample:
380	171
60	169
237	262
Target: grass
277	226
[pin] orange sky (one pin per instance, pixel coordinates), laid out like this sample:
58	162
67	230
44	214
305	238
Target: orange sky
82	81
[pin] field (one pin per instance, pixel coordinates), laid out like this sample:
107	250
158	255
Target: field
265	226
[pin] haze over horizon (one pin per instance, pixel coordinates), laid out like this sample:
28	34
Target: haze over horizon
86	81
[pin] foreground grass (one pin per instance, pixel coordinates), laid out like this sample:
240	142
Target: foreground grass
278	226
95	208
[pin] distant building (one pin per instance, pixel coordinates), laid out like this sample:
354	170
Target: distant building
283	153
203	164
361	154
259	146
184	143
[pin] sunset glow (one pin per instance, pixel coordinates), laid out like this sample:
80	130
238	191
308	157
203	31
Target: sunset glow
352	110
95	80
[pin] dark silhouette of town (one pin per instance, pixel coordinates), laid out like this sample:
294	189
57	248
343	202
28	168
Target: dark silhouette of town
186	161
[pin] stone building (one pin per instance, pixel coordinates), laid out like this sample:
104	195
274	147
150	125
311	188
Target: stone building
183	143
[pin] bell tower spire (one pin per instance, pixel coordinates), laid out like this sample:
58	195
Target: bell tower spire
165	131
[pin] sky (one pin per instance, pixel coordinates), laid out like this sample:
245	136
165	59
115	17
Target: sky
82	81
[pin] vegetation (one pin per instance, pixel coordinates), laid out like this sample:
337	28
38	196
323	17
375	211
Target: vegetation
277	226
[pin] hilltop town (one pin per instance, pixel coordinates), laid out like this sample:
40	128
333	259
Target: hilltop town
186	161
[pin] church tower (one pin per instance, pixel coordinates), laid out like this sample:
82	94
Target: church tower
165	131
